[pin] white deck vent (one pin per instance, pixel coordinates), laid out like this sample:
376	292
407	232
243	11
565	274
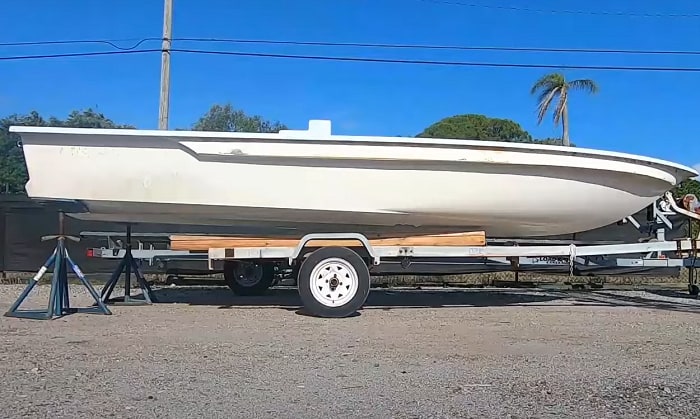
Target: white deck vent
318	128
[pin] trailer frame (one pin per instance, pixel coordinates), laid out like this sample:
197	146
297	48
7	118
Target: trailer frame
248	270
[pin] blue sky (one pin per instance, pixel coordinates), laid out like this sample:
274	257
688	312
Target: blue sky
640	112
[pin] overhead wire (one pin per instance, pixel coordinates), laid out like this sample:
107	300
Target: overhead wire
439	47
559	11
76	54
112	43
432	62
363	59
132	50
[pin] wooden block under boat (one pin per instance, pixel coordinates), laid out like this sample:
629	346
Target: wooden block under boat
185	242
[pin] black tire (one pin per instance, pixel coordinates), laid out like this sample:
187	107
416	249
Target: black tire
353	268
264	276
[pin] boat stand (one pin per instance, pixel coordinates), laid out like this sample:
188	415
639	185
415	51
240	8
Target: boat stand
59	304
693	285
127	264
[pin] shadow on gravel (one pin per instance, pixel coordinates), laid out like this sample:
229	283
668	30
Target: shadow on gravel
674	301
683	295
392	299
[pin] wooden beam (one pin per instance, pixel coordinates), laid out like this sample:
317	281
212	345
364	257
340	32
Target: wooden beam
184	242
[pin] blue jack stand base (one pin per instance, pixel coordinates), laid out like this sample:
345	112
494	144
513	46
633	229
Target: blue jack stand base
127	264
59	304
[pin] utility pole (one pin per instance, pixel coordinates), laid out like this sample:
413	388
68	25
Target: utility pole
164	106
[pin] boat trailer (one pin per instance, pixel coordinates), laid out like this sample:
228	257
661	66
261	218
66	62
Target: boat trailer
334	281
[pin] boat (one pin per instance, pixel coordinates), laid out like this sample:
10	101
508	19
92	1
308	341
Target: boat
310	180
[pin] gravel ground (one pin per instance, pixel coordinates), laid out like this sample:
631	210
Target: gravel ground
432	353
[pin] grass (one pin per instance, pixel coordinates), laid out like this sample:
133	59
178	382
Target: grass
481	279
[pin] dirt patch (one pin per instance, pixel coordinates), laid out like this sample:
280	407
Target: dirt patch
432	353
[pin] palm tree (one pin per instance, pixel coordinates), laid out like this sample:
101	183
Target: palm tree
555	84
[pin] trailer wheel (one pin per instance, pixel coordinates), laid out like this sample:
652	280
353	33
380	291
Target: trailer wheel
248	278
333	282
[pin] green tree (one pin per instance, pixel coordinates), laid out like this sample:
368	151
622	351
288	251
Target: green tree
13	171
687	186
13	174
227	119
481	127
690	186
555	85
88	118
477	127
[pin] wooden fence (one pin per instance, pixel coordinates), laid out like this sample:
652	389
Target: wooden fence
23	222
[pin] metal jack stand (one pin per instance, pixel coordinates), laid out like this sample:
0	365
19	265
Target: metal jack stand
125	266
59	305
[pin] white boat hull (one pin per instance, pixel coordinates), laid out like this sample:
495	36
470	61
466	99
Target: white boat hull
312	181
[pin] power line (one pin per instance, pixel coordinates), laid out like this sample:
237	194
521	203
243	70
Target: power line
138	42
438	47
431	62
556	11
110	42
365	59
75	54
